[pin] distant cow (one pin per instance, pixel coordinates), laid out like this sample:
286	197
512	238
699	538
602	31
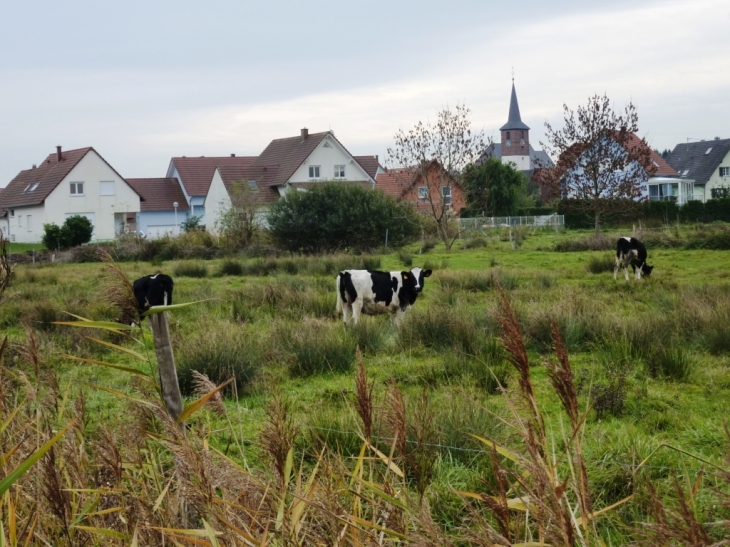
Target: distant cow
153	290
372	293
630	250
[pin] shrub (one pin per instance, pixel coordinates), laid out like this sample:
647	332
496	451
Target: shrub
406	258
76	230
427	246
191	269
440	328
332	217
475	243
230	267
598	264
86	253
219	353
315	347
674	363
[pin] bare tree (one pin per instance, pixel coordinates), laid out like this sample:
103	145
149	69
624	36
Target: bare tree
240	223
437	154
602	164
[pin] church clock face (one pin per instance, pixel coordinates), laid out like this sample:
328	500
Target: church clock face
509	142
522	142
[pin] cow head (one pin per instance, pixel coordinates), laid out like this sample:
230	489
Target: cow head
646	269
415	278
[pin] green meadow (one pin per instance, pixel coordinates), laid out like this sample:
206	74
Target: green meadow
650	364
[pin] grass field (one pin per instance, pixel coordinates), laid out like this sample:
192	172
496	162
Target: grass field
650	359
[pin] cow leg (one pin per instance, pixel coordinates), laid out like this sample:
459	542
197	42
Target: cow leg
356	310
346	312
626	271
616	267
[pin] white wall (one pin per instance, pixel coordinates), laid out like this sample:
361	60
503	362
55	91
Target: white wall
91	170
217	202
716	181
522	163
19	232
327	158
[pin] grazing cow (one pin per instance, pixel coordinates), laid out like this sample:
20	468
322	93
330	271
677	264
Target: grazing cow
153	290
372	293
631	251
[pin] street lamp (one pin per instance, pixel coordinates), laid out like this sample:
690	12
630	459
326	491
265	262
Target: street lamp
175	204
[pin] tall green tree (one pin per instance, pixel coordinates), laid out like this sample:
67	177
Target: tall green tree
76	231
338	216
494	188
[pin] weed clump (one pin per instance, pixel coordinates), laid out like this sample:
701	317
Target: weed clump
315	347
191	269
230	267
600	264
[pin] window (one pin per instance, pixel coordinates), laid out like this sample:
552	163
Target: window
106	188
708	150
326	145
77	188
12	212
685	172
446	193
30	223
314	171
339	171
522	134
27	188
253	186
20	221
33	188
422	192
725	171
508	137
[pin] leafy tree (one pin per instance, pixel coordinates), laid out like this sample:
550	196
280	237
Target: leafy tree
494	188
76	231
451	144
191	223
601	162
239	223
338	216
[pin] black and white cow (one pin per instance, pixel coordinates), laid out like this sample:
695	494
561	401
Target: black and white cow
631	251
153	290
372	293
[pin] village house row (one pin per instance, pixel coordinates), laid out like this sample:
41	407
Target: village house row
82	182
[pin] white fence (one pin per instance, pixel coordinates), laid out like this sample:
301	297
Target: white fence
481	224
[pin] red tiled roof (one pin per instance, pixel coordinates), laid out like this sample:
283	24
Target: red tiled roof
394	182
47	175
159	194
287	155
265	192
369	163
197	173
663	168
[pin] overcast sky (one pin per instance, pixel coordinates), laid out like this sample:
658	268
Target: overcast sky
142	81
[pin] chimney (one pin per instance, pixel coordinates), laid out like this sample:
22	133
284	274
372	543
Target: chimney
34	166
233	155
717	138
59	156
305	133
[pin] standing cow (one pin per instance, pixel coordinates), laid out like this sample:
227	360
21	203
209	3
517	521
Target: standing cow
630	250
153	290
372	293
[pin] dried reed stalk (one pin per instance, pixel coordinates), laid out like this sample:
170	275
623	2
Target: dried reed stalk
117	290
278	433
364	397
395	417
203	385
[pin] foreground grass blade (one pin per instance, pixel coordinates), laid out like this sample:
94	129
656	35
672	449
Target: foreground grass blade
198	404
118	348
19	471
131	370
159	309
106	325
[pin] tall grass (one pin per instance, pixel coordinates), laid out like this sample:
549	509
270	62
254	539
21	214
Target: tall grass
191	269
314	347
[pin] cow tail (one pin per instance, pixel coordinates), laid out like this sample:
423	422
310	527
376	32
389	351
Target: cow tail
338	309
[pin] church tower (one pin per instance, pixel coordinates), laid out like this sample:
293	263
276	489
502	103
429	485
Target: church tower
516	137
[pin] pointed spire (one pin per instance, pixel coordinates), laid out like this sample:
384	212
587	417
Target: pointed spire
514	121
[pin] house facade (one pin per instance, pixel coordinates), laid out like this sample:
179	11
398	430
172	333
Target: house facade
68	183
163	206
423	193
285	165
705	163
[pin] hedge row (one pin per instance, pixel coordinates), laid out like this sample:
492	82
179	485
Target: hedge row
649	212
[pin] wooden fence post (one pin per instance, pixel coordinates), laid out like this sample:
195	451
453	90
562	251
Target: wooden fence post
166	365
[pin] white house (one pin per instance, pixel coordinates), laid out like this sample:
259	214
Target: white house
706	163
74	182
293	163
163	206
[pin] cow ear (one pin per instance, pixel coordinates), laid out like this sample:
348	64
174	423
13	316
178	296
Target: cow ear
427	273
405	275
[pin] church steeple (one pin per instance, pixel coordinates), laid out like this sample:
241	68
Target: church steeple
515	134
